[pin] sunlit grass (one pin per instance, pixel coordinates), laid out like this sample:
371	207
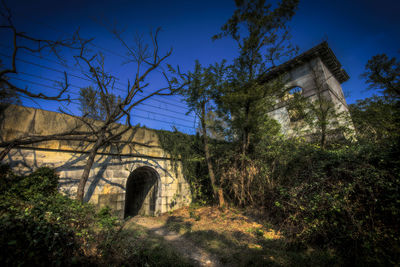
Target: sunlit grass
239	240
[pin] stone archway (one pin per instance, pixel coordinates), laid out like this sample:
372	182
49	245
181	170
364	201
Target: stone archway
141	192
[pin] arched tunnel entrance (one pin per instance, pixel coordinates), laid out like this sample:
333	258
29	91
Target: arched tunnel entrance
141	192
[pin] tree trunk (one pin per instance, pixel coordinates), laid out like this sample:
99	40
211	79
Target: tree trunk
6	150
218	193
86	171
221	200
323	137
246	130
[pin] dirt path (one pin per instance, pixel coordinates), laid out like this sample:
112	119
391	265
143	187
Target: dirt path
185	247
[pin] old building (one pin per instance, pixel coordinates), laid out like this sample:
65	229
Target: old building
314	74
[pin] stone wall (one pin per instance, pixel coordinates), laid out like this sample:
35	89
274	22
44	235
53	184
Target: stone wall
107	184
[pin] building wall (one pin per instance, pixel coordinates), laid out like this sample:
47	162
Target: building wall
306	76
113	165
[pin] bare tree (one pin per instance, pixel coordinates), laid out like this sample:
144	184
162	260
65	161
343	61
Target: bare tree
118	110
22	41
11	92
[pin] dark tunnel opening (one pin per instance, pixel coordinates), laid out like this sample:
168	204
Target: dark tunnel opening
141	192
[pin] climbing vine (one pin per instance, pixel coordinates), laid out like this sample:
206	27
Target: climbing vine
187	150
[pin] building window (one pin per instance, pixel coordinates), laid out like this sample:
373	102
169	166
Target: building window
295	90
292	92
295	103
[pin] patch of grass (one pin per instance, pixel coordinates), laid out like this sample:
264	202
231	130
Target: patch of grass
178	225
139	247
232	251
238	240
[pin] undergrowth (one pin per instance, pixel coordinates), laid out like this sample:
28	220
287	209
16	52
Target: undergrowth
41	227
342	199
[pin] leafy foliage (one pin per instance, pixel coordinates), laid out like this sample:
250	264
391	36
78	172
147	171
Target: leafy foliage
261	34
41	227
188	150
93	104
38	225
383	73
376	118
344	199
199	95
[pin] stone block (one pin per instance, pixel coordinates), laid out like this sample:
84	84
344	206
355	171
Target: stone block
69	165
120	205
94	199
120	174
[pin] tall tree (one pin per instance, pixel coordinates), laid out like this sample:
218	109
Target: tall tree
199	95
383	73
378	117
262	37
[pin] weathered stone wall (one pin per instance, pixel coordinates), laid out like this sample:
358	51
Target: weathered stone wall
112	167
305	76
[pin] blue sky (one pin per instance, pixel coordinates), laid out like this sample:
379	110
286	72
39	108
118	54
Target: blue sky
355	30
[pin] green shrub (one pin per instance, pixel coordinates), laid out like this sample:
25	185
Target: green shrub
42	182
38	225
346	199
41	227
188	150
30	238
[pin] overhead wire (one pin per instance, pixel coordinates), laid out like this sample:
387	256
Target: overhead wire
90	43
74	93
83	78
78	76
72	85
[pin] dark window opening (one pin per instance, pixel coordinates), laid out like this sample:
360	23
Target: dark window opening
295	103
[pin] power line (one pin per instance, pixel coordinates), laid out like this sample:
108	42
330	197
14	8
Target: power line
51	80
134	116
164	115
54	88
91	43
40	84
177	124
77	76
97	46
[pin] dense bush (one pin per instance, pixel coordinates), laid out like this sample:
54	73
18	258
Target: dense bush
38	225
32	230
345	199
188	150
41	227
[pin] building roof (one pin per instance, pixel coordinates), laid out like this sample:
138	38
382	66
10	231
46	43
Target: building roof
322	51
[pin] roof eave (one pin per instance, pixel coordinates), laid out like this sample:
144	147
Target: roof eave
322	51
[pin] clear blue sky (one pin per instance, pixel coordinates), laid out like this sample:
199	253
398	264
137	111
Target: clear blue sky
355	30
